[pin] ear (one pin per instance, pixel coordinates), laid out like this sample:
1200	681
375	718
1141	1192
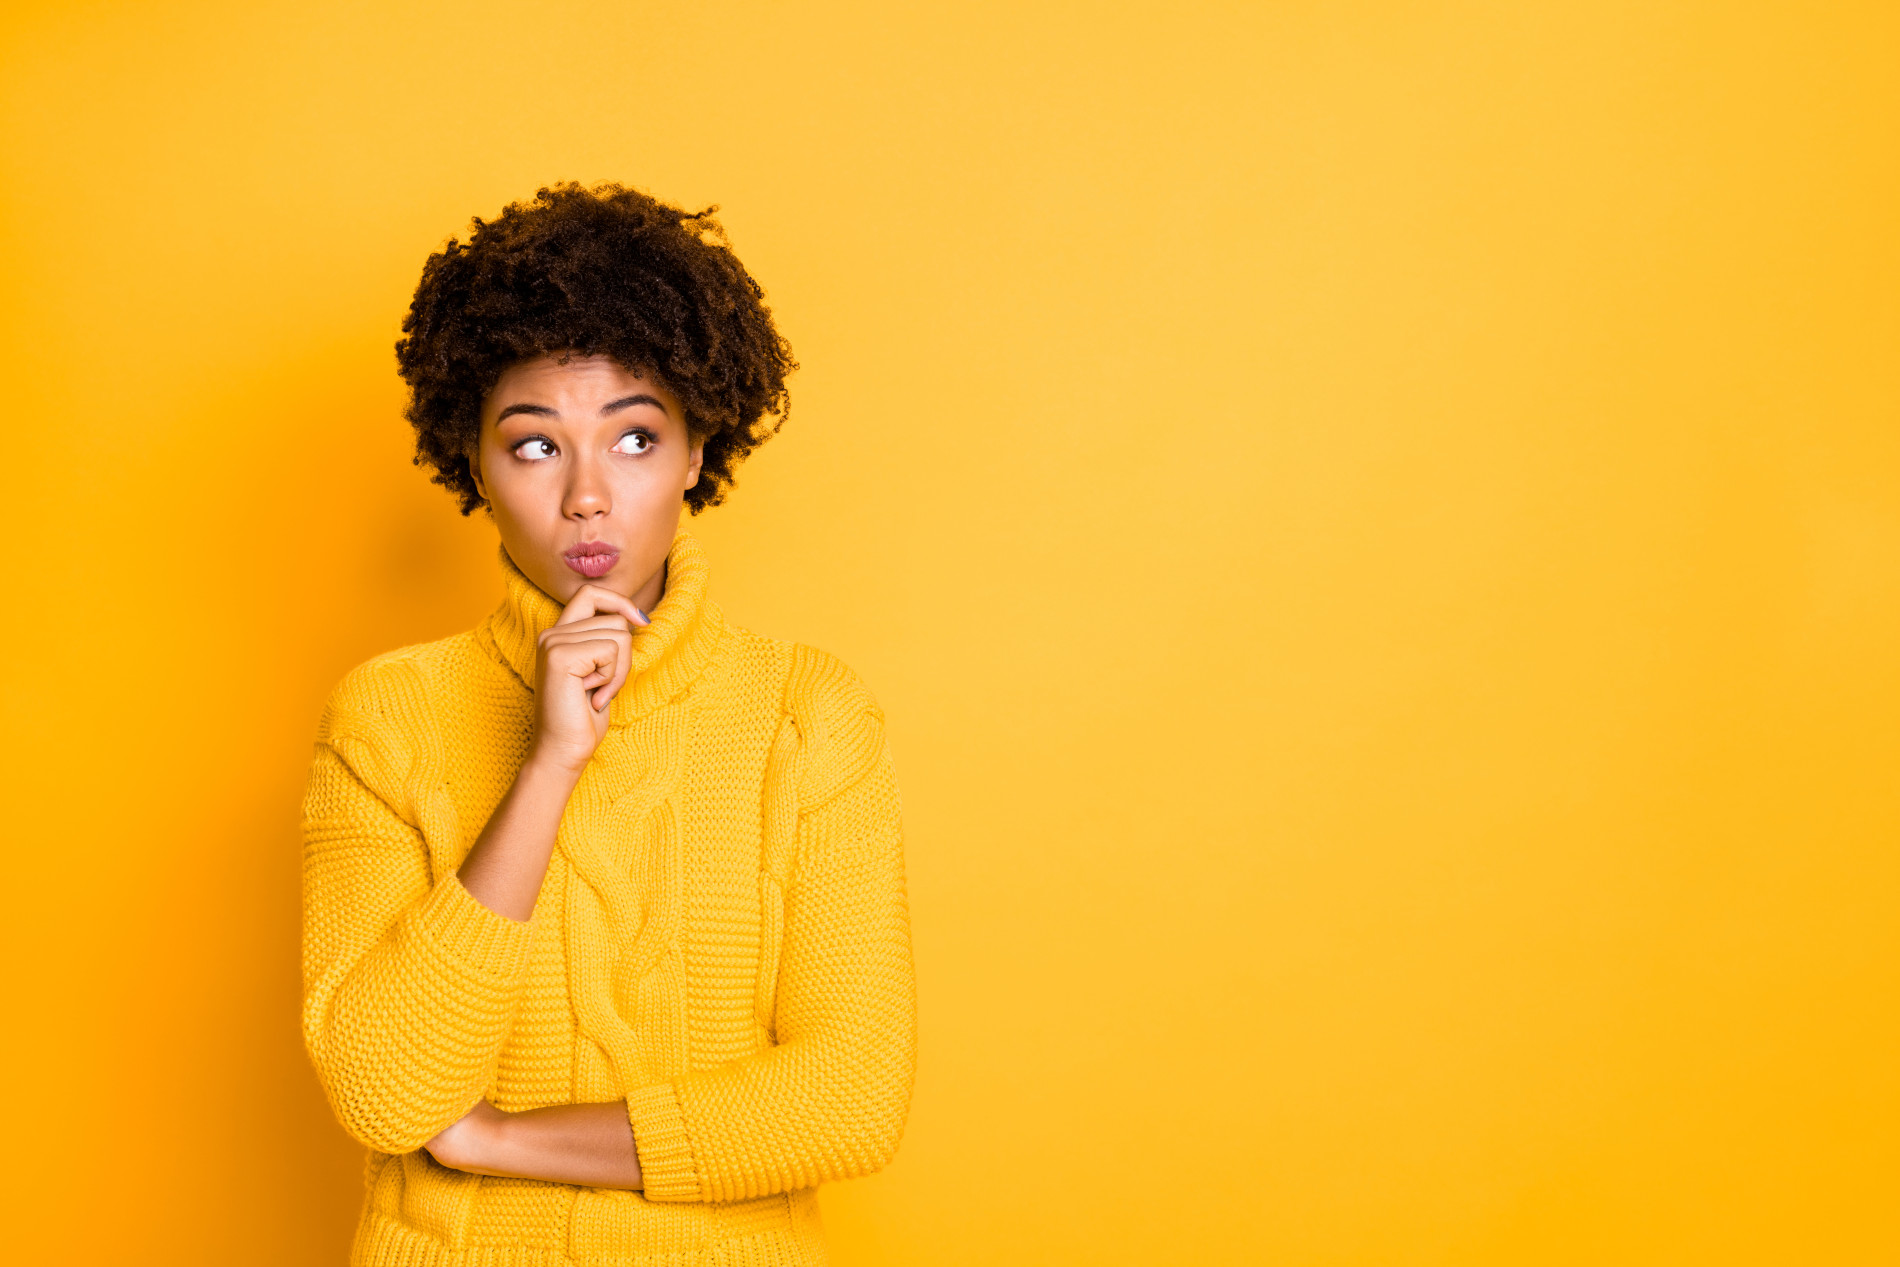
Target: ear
699	456
474	456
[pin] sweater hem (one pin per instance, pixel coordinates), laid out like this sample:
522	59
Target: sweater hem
383	1241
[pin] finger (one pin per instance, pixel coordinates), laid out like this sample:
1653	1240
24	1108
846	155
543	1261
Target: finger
604	694
594	600
579	634
579	659
555	642
622	665
610	620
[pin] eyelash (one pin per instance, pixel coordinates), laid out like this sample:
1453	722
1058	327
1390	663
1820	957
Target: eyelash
642	432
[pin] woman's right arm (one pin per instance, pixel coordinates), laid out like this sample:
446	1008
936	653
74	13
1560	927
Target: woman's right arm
582	663
410	985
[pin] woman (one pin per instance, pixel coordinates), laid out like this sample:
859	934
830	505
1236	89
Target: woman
606	953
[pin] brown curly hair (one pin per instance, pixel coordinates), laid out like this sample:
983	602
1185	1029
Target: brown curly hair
602	271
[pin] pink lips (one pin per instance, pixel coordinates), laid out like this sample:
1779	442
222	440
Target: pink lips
592	559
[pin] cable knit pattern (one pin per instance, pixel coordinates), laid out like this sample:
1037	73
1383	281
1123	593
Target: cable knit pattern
722	940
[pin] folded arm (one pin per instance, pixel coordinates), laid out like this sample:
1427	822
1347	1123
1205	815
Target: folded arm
827	1102
829	1099
586	1144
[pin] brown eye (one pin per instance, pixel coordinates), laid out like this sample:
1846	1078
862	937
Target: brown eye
634	442
535	448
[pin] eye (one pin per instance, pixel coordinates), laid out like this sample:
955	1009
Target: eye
534	448
633	442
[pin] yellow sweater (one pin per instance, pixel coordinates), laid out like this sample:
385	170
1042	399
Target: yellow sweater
722	941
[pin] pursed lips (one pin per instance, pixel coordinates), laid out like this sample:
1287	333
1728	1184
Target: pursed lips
591	558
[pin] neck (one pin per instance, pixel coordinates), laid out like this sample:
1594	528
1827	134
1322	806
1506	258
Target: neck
647	596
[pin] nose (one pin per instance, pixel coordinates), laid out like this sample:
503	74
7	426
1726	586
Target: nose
587	495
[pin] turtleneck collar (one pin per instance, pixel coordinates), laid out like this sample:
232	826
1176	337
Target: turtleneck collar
668	655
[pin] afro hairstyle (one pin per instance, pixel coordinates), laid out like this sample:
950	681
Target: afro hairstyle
606	271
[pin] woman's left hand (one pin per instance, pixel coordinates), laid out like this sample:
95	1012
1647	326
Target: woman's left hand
467	1142
590	1145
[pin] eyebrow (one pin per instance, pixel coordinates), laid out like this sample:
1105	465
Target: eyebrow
512	410
627	402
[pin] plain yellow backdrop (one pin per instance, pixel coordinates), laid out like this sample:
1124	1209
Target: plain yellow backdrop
1377	527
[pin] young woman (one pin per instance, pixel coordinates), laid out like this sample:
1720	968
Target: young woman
606	953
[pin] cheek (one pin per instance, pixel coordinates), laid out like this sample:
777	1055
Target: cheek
516	496
649	489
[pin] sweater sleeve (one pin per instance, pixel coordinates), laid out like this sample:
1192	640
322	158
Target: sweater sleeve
829	1099
409	984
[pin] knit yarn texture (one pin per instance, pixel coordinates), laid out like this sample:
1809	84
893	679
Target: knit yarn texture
722	941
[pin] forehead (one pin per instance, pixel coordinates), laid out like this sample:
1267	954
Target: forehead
580	382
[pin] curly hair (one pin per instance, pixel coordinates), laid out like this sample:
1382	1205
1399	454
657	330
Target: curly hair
604	271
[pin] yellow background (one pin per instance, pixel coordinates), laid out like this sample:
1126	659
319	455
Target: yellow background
1377	528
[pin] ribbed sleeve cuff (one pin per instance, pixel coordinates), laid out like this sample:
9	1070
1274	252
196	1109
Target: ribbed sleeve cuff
659	1136
480	940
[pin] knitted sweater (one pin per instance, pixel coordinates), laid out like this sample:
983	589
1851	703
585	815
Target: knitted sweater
722	940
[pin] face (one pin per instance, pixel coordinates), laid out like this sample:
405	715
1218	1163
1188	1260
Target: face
584	466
